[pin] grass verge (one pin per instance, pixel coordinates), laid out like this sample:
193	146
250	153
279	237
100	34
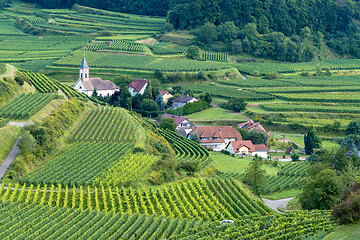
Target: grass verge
8	135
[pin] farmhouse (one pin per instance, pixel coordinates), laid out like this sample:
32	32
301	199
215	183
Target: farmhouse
165	95
137	86
246	147
86	85
216	137
181	100
253	126
183	125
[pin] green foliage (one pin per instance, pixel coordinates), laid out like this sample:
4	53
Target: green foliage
322	191
235	104
168	123
193	52
257	137
190	167
311	141
40	82
207	33
255	176
206	97
295	157
353	128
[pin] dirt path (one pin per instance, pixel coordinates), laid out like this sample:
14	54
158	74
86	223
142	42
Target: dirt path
9	159
275	204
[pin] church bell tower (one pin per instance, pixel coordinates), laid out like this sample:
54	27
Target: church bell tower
84	70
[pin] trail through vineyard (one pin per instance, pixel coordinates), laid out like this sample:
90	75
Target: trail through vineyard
276	204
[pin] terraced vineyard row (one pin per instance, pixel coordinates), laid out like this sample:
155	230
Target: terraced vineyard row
107	124
201	199
96	46
186	149
26	105
85	162
290	176
215	56
70	92
127	46
309	107
349	97
163	50
42	83
44	222
291	225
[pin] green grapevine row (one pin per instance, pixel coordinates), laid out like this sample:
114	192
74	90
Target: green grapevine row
308	107
30	221
107	124
200	199
96	46
40	82
70	92
159	50
127	46
186	149
215	56
84	163
291	225
26	105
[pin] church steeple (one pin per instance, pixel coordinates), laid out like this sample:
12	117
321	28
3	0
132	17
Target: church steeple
84	70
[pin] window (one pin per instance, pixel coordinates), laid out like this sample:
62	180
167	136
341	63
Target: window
204	139
217	139
80	75
210	138
85	75
80	87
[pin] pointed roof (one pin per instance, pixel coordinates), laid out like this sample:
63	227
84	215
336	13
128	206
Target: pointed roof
84	63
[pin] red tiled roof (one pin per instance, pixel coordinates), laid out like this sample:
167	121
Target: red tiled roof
251	125
239	144
137	84
221	132
162	92
178	119
260	147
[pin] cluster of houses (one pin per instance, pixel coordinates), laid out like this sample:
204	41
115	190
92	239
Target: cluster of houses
220	138
87	85
216	138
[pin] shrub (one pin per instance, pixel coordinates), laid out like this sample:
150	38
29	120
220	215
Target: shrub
295	157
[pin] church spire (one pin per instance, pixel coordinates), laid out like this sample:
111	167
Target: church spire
84	70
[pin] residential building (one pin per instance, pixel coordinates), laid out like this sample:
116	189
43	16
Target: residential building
137	86
85	84
246	147
252	125
183	125
165	95
181	100
215	137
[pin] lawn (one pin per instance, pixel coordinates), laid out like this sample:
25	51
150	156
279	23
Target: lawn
284	194
226	163
329	145
216	113
8	135
345	232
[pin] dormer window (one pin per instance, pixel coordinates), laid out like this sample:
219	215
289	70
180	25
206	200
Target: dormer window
210	138
204	139
217	139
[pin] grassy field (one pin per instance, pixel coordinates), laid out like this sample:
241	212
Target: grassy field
216	113
345	232
8	135
283	194
46	111
226	163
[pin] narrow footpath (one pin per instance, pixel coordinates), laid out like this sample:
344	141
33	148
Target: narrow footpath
9	159
275	204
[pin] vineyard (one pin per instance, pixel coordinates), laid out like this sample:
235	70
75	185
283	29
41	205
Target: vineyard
215	56
350	97
310	107
199	199
290	176
46	222
109	125
42	83
96	46
127	46
186	149
70	92
226	92
291	225
26	105
85	162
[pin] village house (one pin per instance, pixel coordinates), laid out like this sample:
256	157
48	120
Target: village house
215	137
181	100
183	125
165	95
137	86
250	125
85	84
246	147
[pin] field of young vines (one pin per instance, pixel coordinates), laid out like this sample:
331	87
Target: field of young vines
26	105
85	163
109	125
42	83
200	199
310	107
186	149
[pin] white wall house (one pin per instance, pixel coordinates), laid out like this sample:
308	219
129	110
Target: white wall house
86	85
181	100
247	148
137	86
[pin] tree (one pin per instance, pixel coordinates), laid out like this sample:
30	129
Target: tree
160	101
228	32
195	138
255	176
159	75
206	33
193	52
149	105
190	166
235	104
295	157
321	192
94	93
249	31
353	128
168	123
27	143
311	141
257	137
206	97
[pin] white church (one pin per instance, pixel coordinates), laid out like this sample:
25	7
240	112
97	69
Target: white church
86	85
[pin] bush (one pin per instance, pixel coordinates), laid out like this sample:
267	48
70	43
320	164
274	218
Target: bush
236	105
273	75
295	157
168	123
